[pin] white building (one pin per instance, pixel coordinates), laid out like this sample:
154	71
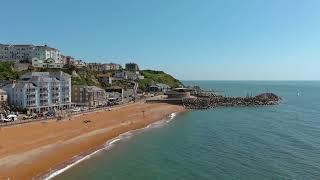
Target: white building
10	52
48	63
79	63
128	75
40	91
103	67
46	52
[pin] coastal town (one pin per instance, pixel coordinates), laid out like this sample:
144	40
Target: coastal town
55	108
159	90
51	85
54	85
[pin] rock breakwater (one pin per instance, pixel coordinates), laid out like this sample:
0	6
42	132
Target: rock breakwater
216	101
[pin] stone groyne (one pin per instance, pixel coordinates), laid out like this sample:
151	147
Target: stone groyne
217	101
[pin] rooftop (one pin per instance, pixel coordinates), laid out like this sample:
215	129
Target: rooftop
27	45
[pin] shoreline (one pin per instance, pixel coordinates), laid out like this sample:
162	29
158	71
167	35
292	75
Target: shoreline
48	150
105	147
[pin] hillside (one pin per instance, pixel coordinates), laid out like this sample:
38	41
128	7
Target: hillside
87	77
152	77
7	72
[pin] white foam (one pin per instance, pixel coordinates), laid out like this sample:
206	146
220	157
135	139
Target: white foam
57	172
109	144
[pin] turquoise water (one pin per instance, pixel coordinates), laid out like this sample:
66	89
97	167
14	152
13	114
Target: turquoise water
270	142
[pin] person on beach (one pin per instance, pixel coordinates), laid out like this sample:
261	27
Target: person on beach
143	111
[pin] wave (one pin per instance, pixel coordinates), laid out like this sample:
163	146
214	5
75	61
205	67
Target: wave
108	145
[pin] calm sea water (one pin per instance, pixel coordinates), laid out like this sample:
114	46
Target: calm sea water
274	142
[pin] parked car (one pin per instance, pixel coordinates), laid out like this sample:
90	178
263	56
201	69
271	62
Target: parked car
40	114
76	110
84	109
5	120
50	113
29	116
10	118
99	106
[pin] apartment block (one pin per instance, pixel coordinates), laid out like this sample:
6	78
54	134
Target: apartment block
26	52
40	91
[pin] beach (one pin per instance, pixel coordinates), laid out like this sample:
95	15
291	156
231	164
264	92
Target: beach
33	150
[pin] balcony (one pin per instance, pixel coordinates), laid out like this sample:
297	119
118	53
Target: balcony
55	94
44	98
31	92
31	105
55	100
44	92
31	98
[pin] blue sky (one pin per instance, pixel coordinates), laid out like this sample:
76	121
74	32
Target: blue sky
191	39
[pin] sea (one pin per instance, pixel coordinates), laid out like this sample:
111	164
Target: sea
265	142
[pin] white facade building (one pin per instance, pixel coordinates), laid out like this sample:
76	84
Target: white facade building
103	67
40	91
48	63
10	52
128	75
46	52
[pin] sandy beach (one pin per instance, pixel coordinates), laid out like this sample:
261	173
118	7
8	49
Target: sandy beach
32	150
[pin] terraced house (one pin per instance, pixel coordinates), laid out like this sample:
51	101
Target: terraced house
90	96
103	67
40	91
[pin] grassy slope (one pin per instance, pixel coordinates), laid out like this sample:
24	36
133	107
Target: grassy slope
7	72
151	77
87	77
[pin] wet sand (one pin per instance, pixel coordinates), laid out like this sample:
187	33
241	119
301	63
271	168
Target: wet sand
32	150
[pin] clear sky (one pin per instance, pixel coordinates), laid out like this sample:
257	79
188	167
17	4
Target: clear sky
191	39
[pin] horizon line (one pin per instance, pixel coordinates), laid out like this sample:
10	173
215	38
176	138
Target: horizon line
247	80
